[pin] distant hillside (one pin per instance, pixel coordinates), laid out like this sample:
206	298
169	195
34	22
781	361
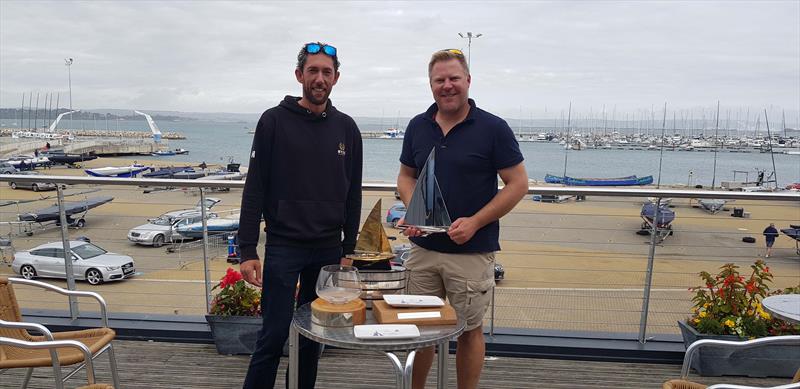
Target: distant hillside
43	114
205	116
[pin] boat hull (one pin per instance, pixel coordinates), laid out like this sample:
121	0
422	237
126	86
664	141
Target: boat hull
619	181
125	171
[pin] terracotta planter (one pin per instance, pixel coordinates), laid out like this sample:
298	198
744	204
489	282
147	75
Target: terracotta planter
770	361
234	334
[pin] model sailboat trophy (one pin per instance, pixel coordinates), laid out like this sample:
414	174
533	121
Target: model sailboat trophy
373	250
427	210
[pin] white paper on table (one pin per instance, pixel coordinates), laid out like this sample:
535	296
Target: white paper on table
418	315
386	331
413	300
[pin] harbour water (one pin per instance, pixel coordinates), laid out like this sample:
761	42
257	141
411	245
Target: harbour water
217	142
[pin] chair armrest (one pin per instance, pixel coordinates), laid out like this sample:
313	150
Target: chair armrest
727	386
692	349
27	326
53	288
52	346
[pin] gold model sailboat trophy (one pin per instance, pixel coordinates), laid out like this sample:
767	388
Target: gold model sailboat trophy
373	255
427	210
373	250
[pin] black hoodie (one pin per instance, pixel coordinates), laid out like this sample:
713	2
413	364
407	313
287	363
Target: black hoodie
304	178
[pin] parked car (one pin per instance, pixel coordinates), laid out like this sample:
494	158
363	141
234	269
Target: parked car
34	186
395	213
164	229
89	262
401	252
7	168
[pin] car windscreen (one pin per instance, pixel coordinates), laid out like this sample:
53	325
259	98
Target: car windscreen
162	221
88	250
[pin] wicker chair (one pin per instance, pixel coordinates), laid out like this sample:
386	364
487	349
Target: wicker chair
96	340
683	383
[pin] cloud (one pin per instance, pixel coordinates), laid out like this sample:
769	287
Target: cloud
239	56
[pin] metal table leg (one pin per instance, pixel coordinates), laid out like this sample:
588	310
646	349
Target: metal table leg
441	376
402	371
294	339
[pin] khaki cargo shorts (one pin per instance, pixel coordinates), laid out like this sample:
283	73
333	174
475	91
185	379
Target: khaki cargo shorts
465	279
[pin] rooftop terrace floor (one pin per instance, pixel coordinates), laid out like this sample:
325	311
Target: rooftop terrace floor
181	365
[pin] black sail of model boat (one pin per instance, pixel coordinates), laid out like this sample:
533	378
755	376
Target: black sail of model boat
427	209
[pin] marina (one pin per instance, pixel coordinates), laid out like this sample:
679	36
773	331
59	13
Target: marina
681	165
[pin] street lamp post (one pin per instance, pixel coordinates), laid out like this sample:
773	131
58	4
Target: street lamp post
68	62
469	37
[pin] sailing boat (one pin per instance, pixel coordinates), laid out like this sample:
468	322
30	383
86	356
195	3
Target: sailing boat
373	250
427	210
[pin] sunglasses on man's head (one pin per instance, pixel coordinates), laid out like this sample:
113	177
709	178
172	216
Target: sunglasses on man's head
454	51
314	48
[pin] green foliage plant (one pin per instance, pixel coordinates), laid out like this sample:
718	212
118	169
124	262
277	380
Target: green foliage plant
235	297
730	304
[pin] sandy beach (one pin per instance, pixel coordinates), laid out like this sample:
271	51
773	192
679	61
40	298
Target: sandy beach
584	258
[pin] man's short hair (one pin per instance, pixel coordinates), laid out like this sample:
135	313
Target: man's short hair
446	55
302	57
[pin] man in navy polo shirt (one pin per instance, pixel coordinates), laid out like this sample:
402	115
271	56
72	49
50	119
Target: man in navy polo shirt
472	148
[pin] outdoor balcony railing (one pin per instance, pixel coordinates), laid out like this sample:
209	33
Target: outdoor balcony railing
571	267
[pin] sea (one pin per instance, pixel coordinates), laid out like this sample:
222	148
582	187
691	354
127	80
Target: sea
220	142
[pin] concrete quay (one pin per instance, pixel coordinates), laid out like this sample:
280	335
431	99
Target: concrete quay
100	147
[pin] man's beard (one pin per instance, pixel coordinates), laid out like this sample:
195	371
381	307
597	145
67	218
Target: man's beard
309	95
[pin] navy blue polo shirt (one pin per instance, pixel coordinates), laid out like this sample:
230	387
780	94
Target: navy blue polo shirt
467	161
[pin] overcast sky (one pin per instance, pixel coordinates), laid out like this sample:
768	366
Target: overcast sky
203	56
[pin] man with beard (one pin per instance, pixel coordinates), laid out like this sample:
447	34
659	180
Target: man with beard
473	147
304	179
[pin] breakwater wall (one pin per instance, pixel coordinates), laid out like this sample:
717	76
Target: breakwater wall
101	133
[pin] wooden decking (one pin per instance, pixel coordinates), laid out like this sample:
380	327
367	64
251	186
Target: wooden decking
177	365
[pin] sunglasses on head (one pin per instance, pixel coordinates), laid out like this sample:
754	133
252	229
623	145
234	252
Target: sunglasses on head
454	51
314	48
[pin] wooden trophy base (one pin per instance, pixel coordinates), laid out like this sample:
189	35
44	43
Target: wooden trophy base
326	314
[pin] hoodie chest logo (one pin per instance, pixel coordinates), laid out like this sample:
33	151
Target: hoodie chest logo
341	151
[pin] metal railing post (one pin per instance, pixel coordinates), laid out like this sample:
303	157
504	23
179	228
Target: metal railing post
648	278
491	317
73	301
206	262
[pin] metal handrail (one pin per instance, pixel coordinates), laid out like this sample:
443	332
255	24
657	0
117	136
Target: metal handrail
18	325
52	346
377	186
795	385
65	292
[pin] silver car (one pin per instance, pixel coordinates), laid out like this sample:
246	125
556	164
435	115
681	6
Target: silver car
89	262
7	168
164	229
34	186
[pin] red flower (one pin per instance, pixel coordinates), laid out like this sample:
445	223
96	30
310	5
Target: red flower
751	286
709	285
230	278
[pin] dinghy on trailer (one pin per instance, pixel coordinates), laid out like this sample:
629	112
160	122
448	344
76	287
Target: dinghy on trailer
71	209
712	206
793	232
121	171
656	217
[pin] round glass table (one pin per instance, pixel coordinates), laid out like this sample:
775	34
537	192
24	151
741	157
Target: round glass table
343	337
783	306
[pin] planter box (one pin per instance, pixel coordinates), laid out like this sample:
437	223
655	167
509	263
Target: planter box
234	334
769	361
